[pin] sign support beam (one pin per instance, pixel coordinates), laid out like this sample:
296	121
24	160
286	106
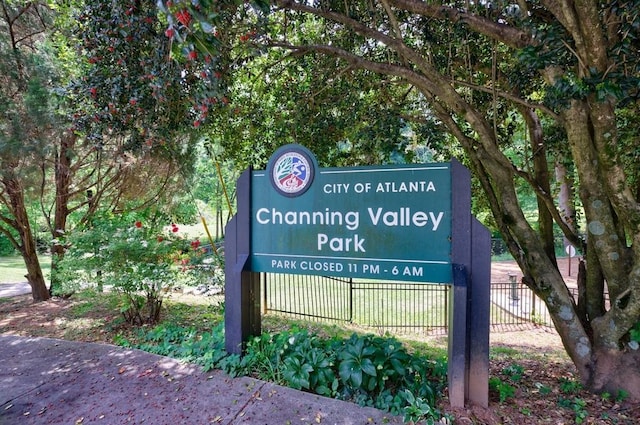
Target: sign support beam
242	286
468	350
477	391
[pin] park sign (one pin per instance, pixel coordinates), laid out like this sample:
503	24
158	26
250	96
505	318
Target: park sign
409	223
377	222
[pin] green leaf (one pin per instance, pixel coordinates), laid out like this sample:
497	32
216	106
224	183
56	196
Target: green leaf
356	378
346	368
323	390
368	367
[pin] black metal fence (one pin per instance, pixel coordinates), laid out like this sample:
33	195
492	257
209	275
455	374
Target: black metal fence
397	307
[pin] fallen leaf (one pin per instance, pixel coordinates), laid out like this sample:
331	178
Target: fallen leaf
145	373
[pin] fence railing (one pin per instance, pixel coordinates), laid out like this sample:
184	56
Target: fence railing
397	307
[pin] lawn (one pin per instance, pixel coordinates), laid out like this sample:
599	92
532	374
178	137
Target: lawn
12	269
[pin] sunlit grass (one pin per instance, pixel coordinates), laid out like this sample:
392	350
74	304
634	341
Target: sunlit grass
12	268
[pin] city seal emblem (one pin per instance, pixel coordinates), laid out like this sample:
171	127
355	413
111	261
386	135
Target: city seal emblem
291	170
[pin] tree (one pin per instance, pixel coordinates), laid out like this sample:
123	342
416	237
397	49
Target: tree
274	101
25	123
480	66
90	120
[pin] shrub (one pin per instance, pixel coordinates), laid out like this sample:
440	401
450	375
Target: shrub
137	259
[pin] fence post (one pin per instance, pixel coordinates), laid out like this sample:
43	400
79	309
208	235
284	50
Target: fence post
446	306
350	300
478	314
533	305
457	341
514	287
263	288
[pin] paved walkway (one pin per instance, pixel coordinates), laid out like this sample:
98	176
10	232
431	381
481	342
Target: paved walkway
48	381
13	289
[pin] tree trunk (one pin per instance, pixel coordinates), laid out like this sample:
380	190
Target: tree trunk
27	247
63	176
541	178
565	196
616	372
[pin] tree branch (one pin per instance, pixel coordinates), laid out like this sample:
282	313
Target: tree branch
515	99
497	31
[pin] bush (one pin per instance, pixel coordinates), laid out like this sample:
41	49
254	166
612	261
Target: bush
138	259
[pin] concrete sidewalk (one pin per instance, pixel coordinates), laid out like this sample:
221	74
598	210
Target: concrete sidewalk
12	289
60	382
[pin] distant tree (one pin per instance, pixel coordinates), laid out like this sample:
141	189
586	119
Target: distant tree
480	67
95	113
348	117
26	125
138	108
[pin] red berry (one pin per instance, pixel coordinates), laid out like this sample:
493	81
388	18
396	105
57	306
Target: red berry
184	17
138	224
193	55
170	32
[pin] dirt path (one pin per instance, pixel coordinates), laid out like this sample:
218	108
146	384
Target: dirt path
501	270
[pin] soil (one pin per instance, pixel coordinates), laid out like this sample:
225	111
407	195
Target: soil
529	368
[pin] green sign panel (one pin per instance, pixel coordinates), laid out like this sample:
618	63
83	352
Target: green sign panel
381	222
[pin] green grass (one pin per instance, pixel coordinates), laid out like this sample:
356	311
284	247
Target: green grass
12	268
394	304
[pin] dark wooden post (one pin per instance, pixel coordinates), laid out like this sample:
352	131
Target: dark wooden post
242	287
468	349
478	316
461	261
